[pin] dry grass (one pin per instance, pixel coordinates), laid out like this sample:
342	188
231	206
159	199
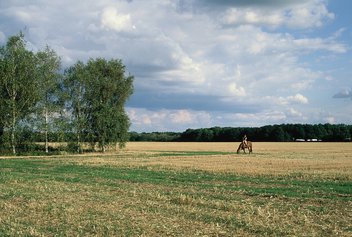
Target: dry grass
326	159
181	189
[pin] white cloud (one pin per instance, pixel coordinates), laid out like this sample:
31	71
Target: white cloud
181	117
235	16
298	98
309	14
330	120
261	118
320	44
167	120
289	100
294	113
112	19
236	90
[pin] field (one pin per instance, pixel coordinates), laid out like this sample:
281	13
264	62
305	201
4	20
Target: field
181	189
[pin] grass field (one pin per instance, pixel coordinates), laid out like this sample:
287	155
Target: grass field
181	189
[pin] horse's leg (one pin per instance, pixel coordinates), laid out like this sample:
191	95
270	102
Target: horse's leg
238	149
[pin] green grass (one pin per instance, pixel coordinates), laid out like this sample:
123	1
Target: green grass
65	197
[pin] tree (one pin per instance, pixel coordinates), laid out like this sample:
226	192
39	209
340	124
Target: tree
107	92
297	131
75	90
341	132
48	66
17	84
98	92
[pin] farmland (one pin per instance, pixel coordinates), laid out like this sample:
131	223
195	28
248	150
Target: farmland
181	189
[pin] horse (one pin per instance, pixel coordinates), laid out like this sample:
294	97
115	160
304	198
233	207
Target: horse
243	147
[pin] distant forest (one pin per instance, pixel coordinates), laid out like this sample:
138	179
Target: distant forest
269	133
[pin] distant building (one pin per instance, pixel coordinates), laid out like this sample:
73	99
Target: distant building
313	140
308	140
300	140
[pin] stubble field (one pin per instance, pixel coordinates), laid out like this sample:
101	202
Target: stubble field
181	189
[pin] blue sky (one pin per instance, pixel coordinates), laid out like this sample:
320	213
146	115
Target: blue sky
204	63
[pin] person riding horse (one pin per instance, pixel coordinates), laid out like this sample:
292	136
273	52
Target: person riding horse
245	145
244	140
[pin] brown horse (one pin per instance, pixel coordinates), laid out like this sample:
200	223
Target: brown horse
243	147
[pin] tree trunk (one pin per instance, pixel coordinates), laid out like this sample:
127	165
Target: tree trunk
13	139
46	131
13	126
78	143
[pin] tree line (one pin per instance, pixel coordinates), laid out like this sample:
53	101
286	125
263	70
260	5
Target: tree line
83	104
269	133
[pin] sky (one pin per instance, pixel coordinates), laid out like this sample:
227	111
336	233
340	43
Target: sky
206	63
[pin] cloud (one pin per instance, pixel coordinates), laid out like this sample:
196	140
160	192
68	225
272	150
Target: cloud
176	101
321	44
179	120
289	100
298	98
345	93
330	119
237	16
292	14
242	3
112	19
294	113
167	120
237	91
235	60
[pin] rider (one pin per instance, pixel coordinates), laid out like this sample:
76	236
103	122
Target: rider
244	140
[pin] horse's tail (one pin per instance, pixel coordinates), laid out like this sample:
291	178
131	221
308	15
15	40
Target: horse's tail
250	146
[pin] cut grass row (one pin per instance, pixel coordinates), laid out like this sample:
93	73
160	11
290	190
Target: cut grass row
289	186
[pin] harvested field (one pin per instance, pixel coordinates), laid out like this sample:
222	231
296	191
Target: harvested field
181	189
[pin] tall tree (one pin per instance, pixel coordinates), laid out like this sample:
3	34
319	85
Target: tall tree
48	66
17	84
75	87
108	90
98	92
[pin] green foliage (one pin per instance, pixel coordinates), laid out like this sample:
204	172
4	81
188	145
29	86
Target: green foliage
107	91
270	133
98	92
87	100
18	85
48	106
74	87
